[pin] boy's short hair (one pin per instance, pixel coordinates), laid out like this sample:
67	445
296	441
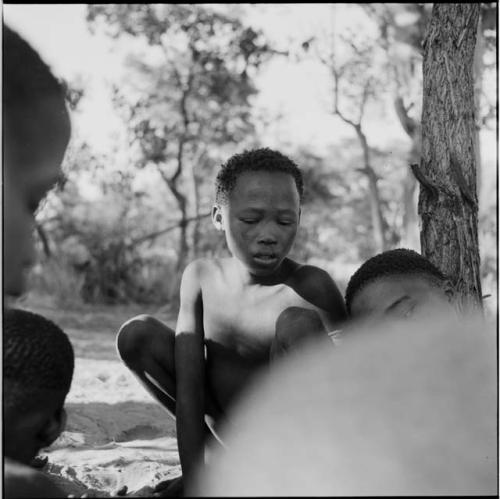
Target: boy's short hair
389	263
263	159
37	359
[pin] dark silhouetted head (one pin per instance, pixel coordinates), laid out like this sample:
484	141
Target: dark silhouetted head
38	363
36	131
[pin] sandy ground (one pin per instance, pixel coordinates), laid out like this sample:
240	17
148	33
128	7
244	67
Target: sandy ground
116	434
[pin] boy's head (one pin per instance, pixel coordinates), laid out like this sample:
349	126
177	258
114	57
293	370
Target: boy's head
398	283
258	197
38	363
36	131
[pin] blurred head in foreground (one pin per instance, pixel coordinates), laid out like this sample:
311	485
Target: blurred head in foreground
396	283
402	408
36	131
38	364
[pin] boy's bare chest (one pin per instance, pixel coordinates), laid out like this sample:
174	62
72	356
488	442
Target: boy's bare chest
247	316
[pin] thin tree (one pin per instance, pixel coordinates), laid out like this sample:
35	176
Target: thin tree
354	85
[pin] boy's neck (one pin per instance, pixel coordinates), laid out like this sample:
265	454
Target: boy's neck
279	276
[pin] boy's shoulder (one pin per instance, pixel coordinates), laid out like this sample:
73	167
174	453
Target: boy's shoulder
315	285
206	267
304	272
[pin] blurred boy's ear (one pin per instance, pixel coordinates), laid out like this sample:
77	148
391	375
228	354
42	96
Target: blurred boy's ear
53	428
217	217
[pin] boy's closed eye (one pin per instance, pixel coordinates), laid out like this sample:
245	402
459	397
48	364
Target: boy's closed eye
402	307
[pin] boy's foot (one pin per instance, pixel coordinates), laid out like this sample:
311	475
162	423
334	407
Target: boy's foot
39	462
173	487
122	491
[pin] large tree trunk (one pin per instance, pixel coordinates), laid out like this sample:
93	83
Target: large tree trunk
448	204
478	86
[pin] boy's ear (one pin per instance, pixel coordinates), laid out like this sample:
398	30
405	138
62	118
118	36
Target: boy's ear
217	217
53	428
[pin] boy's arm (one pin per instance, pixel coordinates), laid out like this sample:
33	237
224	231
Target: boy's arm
190	372
317	287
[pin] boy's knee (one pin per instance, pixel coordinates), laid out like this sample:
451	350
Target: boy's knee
131	337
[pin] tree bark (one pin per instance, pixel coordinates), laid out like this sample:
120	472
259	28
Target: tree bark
448	204
478	87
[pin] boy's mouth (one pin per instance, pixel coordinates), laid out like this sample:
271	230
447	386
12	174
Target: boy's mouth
265	258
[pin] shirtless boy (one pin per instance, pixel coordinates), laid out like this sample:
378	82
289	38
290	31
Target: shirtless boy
236	313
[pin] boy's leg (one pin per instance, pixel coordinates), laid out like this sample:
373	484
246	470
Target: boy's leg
294	326
146	346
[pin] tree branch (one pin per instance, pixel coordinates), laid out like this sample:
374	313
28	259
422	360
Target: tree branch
174	226
336	109
364	98
409	124
43	237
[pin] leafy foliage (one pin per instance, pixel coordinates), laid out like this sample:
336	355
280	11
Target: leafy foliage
125	222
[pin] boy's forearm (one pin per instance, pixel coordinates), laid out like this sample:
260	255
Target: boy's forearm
190	432
190	400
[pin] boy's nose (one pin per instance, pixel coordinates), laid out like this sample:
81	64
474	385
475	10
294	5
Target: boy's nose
267	240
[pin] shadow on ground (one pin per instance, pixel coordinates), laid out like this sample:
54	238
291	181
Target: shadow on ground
98	423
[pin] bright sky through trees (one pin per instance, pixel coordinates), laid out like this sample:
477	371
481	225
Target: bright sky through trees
299	91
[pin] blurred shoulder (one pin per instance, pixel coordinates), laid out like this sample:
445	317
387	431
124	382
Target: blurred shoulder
23	481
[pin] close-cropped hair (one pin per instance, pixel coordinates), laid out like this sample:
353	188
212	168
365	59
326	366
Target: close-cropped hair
399	261
263	159
37	358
